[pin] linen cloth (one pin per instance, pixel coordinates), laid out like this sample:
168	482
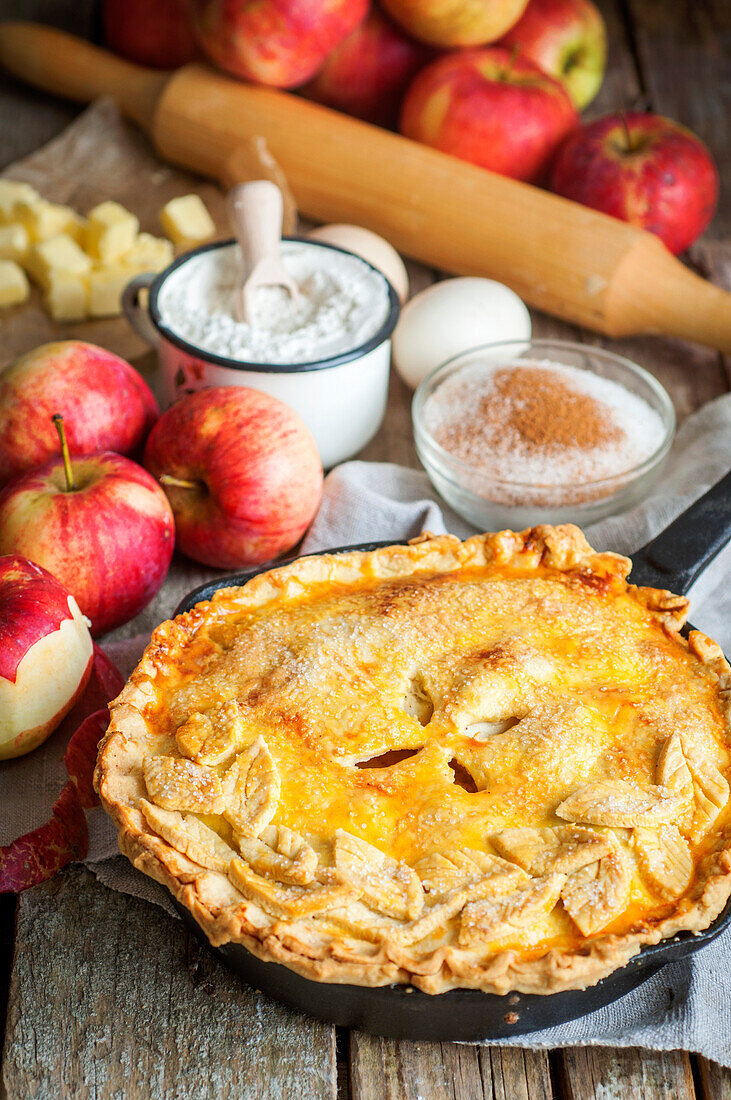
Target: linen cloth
687	1005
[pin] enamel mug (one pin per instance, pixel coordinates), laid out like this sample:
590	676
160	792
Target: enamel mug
342	399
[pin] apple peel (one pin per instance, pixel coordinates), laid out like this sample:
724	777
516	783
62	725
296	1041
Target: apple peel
80	756
38	855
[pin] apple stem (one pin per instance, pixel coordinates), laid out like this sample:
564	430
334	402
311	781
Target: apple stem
515	50
70	483
627	135
177	482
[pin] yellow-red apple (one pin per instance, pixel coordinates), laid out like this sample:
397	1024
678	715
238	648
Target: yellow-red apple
242	472
101	525
643	169
156	33
46	655
279	42
490	107
368	73
456	22
568	40
106	405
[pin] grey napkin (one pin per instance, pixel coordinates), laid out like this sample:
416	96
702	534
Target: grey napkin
687	1005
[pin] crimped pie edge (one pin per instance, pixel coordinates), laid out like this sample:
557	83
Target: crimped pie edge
562	549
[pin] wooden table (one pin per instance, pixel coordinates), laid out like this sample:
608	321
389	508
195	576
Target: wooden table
108	996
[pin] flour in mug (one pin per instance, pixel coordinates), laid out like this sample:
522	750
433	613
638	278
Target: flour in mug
342	304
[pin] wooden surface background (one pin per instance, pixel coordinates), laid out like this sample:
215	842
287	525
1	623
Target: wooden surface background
108	996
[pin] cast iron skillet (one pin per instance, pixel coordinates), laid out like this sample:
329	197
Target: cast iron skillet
672	560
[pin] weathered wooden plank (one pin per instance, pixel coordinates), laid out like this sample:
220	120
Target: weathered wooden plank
684	50
29	118
516	1074
714	1081
110	997
395	440
622	85
598	1073
382	1069
7	935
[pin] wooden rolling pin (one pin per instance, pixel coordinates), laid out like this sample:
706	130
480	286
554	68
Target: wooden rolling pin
560	257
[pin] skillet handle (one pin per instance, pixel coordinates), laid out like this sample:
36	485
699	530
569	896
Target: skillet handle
676	557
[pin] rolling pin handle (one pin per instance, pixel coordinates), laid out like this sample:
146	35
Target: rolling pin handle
137	314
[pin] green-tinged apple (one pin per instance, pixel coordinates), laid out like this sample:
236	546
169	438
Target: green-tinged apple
105	403
568	40
279	42
368	73
242	473
643	169
101	525
151	32
491	107
46	655
456	22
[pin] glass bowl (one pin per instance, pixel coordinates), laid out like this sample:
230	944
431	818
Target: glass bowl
490	503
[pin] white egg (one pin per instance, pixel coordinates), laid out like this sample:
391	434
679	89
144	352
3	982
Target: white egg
369	246
452	317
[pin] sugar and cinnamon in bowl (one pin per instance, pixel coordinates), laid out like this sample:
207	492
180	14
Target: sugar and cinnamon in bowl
539	434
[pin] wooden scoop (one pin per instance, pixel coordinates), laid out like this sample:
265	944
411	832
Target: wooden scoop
255	210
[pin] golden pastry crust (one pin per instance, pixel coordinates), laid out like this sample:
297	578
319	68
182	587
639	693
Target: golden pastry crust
489	764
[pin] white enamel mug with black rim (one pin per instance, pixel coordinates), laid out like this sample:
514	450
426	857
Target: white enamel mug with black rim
342	399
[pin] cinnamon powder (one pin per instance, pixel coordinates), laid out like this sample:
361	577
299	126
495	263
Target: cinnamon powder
540	424
546	412
538	407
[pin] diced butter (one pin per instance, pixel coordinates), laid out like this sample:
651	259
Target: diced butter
12	192
186	221
149	253
13	284
66	296
58	255
111	231
77	229
13	243
105	289
43	220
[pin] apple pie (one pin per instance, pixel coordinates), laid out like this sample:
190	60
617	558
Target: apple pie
490	764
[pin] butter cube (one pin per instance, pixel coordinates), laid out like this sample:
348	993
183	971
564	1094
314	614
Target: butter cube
110	232
13	243
77	228
66	296
186	221
105	289
43	220
149	253
13	284
11	194
58	255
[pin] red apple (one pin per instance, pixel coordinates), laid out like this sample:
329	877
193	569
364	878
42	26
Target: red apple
101	525
568	40
104	401
643	169
280	42
489	107
151	32
46	655
242	473
367	74
456	22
